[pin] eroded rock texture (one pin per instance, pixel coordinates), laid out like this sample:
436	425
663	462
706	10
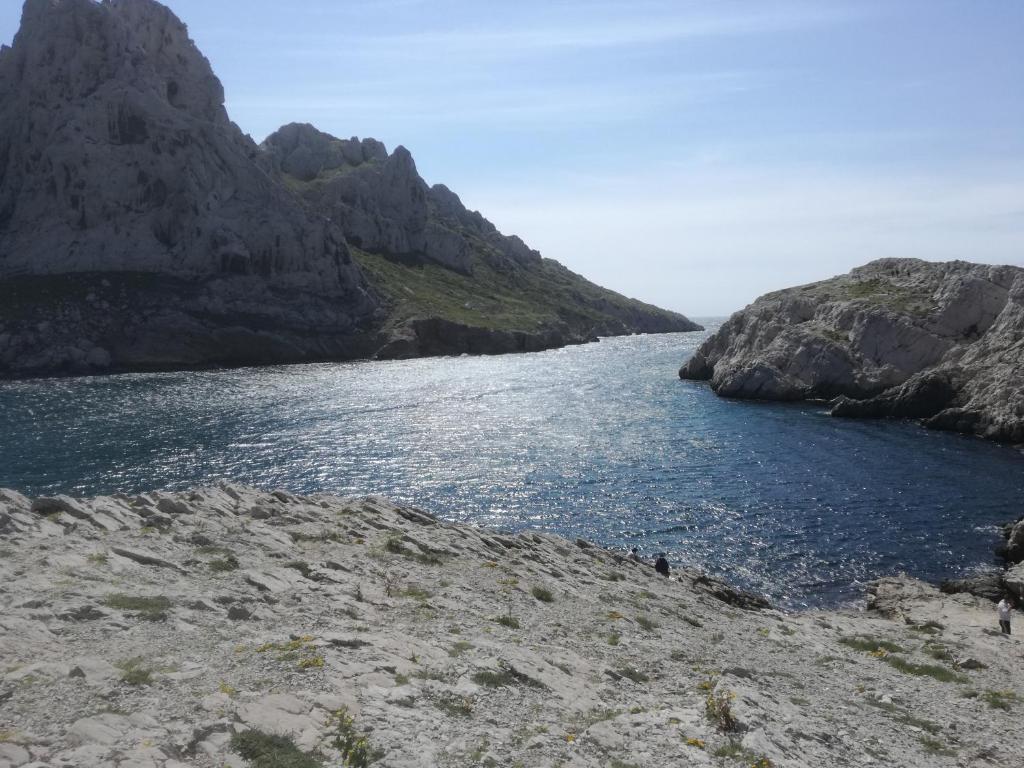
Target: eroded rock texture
141	229
119	156
120	167
163	630
897	338
496	294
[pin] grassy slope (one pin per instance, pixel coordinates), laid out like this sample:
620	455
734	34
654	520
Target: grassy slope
540	297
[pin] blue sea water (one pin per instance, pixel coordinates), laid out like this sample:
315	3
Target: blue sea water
601	441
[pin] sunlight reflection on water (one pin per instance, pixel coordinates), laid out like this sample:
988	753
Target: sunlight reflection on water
601	441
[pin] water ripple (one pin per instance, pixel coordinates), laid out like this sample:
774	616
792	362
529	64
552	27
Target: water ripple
601	441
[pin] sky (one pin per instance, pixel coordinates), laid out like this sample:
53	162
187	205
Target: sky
690	153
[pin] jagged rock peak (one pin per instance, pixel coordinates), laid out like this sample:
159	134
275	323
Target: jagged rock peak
382	203
304	151
116	155
69	48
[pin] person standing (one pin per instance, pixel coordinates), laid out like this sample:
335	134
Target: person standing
661	565
1005	608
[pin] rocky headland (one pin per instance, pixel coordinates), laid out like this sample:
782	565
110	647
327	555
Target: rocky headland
897	338
233	627
141	229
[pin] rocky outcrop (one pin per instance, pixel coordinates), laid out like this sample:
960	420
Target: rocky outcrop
898	338
216	626
383	204
141	229
387	209
138	226
116	155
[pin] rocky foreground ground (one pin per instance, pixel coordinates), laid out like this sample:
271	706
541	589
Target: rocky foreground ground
232	627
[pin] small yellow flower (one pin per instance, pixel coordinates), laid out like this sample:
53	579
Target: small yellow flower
570	737
695	742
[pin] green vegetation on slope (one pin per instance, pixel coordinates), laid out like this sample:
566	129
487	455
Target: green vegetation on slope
530	299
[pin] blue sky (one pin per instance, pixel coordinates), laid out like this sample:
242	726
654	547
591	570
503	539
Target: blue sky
691	153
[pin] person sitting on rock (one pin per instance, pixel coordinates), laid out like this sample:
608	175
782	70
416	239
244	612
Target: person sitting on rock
634	554
661	565
1005	608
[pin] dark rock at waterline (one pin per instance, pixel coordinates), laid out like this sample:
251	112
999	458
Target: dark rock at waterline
987	585
920	397
1013	550
738	598
435	336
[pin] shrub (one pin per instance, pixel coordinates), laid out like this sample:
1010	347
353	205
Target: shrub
455	706
870	644
1000	699
718	708
459	648
942	674
145	608
395	546
508	621
133	673
935	747
505	676
302	567
633	674
223	564
264	750
543	594
354	747
646	623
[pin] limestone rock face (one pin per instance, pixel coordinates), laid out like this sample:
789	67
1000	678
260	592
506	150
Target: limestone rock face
386	209
897	338
382	203
116	154
139	227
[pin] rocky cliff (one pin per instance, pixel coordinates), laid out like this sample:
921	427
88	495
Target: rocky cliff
140	228
451	281
233	627
897	338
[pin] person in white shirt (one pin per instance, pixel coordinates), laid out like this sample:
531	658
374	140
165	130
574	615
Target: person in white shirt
1005	608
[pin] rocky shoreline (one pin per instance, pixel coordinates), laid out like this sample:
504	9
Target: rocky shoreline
228	626
896	338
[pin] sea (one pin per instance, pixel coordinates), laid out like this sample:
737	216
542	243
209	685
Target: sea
601	441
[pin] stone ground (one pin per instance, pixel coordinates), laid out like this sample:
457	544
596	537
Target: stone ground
168	630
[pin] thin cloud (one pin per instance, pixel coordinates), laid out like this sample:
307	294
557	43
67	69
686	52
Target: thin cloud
538	107
575	28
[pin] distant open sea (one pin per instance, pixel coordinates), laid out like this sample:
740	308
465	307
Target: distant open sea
601	441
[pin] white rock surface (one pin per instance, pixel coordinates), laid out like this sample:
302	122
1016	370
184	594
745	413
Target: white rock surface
390	616
897	338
